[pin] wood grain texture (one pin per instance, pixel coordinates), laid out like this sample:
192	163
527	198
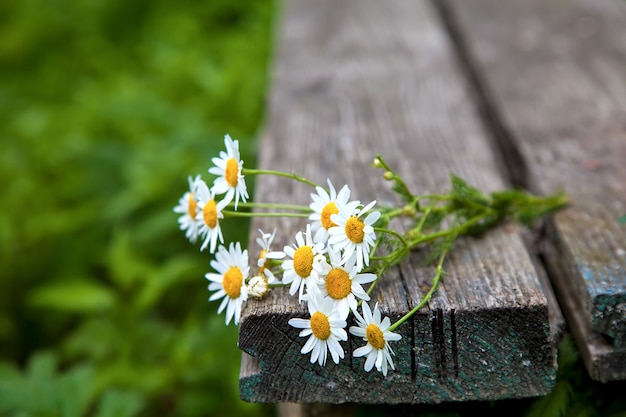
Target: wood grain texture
556	72
352	79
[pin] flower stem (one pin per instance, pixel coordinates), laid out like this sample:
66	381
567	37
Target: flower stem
457	230
428	296
394	233
293	207
278	285
228	213
293	176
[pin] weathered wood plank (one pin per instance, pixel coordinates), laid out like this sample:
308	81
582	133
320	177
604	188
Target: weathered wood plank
556	72
354	78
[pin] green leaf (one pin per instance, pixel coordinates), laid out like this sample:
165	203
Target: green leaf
126	265
74	296
464	194
41	391
117	403
147	378
74	391
176	271
96	339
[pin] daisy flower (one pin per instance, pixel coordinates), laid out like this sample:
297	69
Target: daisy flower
306	264
230	280
188	207
323	206
375	332
325	329
264	242
352	233
343	284
228	167
208	215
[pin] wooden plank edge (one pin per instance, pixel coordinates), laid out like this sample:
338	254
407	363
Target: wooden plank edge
533	240
603	361
530	366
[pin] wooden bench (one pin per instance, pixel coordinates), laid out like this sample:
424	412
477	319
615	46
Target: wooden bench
502	94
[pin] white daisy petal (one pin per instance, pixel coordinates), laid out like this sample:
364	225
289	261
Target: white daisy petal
217	295
362	351
370	361
305	332
299	323
308	346
295	286
393	337
357	331
223	305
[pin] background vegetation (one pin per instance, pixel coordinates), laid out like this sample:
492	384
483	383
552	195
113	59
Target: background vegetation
105	107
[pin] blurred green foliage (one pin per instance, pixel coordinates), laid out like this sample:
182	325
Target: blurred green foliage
105	108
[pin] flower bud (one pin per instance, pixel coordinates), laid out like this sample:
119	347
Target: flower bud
388	175
258	286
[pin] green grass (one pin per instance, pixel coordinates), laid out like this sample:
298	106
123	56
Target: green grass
105	108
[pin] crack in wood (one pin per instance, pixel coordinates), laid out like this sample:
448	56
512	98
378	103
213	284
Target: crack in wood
412	344
511	162
455	349
439	342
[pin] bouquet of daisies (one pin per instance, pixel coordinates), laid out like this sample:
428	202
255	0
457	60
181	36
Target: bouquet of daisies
333	264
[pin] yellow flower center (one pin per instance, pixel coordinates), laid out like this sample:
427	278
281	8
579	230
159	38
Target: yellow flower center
192	206
303	261
320	325
327	211
354	229
232	281
232	172
338	283
375	336
209	212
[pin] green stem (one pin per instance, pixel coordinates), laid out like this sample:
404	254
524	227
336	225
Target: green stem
418	229
280	284
228	213
392	213
372	285
393	232
273	206
427	297
457	230
248	171
436	197
401	187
